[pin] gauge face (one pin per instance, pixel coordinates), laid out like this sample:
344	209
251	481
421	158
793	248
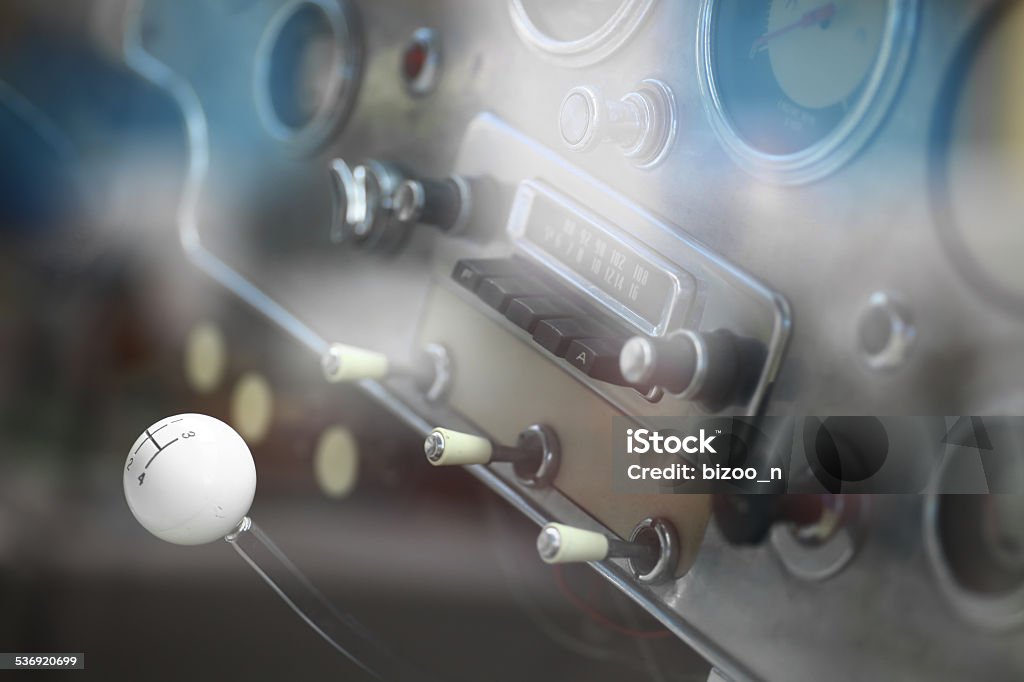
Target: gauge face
979	171
787	79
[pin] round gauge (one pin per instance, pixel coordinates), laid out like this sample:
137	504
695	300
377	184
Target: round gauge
978	158
794	88
577	32
307	70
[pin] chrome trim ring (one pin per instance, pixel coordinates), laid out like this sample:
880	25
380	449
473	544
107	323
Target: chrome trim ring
426	80
700	372
549	461
343	85
664	568
589	49
996	612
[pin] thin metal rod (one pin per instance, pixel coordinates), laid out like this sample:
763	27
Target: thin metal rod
342	631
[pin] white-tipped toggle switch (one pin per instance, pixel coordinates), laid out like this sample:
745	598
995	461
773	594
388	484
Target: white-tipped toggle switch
445	447
534	457
651	551
343	363
561	544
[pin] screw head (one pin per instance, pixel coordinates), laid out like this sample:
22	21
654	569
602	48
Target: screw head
548	543
433	446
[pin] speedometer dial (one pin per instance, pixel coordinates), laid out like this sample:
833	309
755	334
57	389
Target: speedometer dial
795	87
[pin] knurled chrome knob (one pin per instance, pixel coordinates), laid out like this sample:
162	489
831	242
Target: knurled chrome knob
642	123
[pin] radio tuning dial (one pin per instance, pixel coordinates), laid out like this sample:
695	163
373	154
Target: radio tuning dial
713	368
642	123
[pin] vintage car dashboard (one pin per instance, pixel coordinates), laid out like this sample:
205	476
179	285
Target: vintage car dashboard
567	214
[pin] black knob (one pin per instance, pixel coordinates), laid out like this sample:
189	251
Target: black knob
443	204
709	367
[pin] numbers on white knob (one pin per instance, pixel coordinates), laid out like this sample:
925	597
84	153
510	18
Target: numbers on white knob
189	479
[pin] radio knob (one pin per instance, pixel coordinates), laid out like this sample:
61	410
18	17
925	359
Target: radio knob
444	204
534	458
642	123
702	366
362	206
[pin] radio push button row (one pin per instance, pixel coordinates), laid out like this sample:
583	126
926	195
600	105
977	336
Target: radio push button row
651	551
535	456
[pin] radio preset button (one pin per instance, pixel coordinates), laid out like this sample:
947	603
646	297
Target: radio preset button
556	335
470	272
498	292
527	312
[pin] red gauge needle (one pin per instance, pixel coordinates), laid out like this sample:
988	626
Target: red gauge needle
814	17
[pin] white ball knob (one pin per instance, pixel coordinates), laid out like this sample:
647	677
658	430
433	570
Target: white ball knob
189	479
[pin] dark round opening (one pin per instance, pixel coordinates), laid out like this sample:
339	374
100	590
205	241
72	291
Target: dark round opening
982	541
649	537
875	330
302	74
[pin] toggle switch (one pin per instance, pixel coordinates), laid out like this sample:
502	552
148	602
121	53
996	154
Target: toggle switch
651	551
342	363
430	370
535	456
709	367
747	519
561	544
642	123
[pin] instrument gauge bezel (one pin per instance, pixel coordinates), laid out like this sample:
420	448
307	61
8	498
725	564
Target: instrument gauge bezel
844	141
